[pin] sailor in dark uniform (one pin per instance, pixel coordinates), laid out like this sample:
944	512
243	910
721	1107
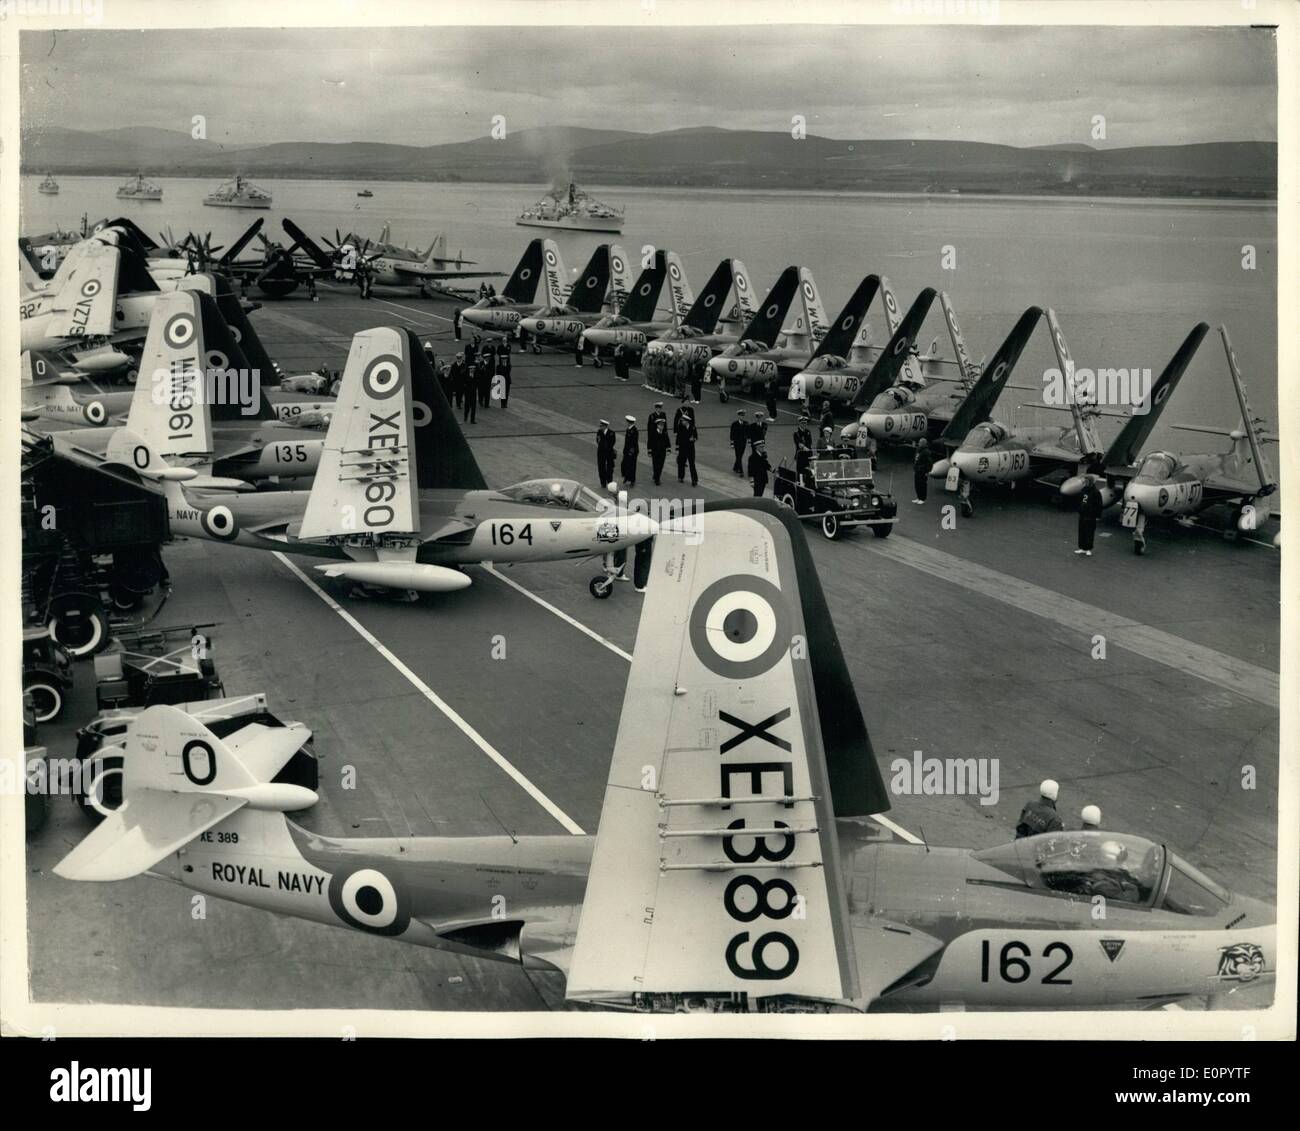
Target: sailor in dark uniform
739	439
631	449
758	468
656	413
803	439
657	443
605	440
686	434
1040	815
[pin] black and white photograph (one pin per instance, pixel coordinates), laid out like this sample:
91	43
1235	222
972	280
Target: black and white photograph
649	519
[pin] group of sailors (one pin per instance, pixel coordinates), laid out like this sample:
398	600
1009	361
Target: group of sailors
475	375
1040	815
660	440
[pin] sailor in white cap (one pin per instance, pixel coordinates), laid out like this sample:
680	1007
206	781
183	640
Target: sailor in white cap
1040	815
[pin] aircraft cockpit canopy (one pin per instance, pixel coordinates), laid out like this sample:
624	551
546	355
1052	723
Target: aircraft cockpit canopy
891	400
555	312
1158	465
984	436
1118	866
563	494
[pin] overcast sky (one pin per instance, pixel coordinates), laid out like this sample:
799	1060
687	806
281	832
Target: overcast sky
1018	86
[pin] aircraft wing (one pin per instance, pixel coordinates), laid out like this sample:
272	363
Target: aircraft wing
888	953
716	865
150	828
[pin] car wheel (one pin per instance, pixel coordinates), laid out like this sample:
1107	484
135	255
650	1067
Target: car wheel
82	631
831	526
787	500
883	529
47	697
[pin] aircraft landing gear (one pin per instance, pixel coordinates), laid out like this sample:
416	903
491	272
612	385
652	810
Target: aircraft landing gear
965	501
597	362
601	587
1139	535
536	348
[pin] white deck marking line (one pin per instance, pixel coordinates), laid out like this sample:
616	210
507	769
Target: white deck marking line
1240	676
596	636
421	313
423	688
896	829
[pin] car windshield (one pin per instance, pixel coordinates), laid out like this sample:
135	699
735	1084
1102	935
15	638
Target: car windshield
832	470
1158	465
545	492
1115	865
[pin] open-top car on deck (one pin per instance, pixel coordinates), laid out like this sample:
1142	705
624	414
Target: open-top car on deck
838	489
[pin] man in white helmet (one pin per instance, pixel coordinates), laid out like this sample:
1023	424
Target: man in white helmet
1090	815
1040	815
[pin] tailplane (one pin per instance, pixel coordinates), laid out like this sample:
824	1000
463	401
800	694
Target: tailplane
179	780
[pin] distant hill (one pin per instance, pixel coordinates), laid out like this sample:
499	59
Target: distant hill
702	156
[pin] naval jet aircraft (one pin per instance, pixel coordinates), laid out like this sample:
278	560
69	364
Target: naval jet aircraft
398	501
570	309
752	361
195	404
501	313
839	378
710	325
635	321
1164	483
731	869
986	451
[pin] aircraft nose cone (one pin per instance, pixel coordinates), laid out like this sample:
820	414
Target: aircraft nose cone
1145	495
966	462
722	366
875	423
530	324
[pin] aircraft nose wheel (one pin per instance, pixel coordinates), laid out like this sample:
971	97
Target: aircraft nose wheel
723	396
1139	544
600	587
598	363
967	508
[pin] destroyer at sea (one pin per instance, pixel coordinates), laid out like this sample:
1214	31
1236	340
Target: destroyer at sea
574	209
238	193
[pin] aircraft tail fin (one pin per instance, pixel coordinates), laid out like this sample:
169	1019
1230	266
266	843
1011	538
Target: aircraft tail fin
179	780
39	368
897	352
840	338
679	287
979	402
708	307
522	284
314	251
84	303
1252	424
1082	410
1127	445
443	457
643	297
27	272
366	483
766	324
232	310
909	373
437	250
969	370
740	742
169	406
227	365
810	321
746	299
588	291
620	279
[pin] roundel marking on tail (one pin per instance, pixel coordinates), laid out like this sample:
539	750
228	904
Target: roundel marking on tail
383	376
220	523
740	626
91	287
525	273
421	414
179	331
370	901
771	311
95	412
